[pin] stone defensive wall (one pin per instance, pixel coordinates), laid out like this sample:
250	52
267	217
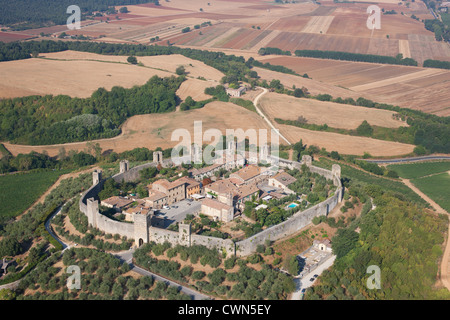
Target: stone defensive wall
300	219
142	230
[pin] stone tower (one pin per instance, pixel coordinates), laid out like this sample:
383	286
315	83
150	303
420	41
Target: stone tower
231	147
124	166
264	153
336	170
142	221
307	160
158	157
184	234
92	211
96	177
196	153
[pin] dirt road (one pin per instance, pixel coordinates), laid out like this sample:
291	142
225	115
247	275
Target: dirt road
255	102
445	265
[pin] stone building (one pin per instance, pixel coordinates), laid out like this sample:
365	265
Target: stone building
236	93
192	186
117	203
156	199
175	191
245	193
218	210
221	190
245	175
282	180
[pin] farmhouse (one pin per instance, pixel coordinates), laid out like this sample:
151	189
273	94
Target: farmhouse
236	92
443	7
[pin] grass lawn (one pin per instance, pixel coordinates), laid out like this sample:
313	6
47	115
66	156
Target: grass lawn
19	191
420	169
437	187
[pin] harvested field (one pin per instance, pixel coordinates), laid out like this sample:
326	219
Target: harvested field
110	71
293	24
318	24
335	115
313	86
263	43
404	48
220	34
69	77
195	88
310	41
398	79
345	144
409	87
155	130
194	68
10	37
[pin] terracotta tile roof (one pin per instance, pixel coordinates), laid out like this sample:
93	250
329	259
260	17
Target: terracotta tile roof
247	190
169	185
155	195
118	202
284	178
248	172
223	186
189	181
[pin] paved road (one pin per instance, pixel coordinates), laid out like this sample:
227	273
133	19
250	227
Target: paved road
50	230
305	282
127	256
255	102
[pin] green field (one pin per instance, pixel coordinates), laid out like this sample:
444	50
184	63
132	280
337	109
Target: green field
420	169
437	187
20	191
388	185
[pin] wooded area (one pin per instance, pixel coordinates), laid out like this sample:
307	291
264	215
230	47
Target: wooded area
40	13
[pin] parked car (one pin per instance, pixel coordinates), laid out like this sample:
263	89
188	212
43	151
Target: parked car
312	279
316	275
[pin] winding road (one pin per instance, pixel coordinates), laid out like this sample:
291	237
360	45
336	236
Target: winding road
127	256
255	102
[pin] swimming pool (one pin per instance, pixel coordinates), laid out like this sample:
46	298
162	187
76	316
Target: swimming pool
292	205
